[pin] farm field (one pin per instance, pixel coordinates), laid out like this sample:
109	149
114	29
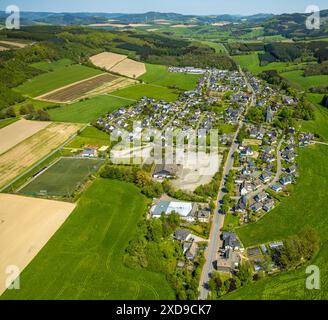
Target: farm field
119	63
79	89
151	91
13	44
37	104
84	260
305	207
50	81
62	178
90	136
89	110
19	131
53	65
25	154
27	224
297	80
159	75
6	122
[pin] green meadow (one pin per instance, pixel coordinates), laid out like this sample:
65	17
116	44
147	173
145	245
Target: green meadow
148	90
89	110
56	79
159	75
84	259
52	65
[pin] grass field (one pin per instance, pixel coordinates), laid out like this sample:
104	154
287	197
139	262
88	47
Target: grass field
63	178
52	66
84	259
319	125
297	80
90	136
148	90
7	122
306	207
54	80
159	75
88	110
252	63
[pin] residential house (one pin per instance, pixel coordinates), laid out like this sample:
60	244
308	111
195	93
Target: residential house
286	180
182	235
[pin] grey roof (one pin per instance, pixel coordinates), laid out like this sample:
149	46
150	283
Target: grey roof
181	234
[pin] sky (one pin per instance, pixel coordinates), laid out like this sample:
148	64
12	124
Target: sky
198	7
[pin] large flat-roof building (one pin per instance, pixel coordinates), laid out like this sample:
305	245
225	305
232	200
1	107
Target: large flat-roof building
186	210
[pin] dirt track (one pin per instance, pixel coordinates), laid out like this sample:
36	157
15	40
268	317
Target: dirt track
26	225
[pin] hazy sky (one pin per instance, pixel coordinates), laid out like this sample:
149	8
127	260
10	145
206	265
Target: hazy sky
180	6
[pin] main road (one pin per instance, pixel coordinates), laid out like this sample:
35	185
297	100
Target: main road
218	221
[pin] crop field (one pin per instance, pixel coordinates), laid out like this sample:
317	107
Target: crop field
297	80
59	78
90	136
85	258
119	63
26	153
19	131
27	224
77	90
151	91
89	110
53	65
306	207
159	75
62	178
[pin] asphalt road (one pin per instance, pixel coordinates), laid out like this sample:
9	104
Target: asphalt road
218	221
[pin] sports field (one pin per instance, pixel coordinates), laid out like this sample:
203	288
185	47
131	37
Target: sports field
62	178
148	90
307	206
88	110
61	77
84	259
159	75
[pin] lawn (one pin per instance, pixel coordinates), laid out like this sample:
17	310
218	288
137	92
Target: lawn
63	178
297	80
159	75
148	90
54	80
90	136
84	259
52	66
307	206
89	110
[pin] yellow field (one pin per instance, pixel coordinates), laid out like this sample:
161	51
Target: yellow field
119	63
19	131
29	151
26	225
107	60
